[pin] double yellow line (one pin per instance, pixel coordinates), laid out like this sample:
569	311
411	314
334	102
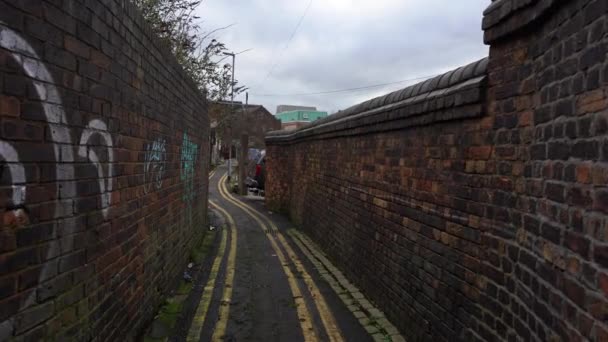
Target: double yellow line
327	318
220	328
198	321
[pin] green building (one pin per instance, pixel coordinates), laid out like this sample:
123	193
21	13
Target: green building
300	116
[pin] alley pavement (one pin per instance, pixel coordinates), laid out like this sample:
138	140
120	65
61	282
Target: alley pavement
269	282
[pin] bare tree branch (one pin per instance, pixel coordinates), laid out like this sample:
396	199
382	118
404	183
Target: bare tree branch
175	22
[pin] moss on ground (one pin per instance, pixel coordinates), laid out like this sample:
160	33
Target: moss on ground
152	339
168	313
184	287
198	254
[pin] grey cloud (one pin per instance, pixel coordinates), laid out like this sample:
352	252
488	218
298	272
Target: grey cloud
422	37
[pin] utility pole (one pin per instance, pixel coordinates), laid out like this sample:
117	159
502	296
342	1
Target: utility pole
230	117
233	55
243	157
243	163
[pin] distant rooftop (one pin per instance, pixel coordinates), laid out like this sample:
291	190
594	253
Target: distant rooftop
300	116
445	97
289	108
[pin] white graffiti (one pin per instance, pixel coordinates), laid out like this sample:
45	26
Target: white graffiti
11	157
54	113
97	126
154	165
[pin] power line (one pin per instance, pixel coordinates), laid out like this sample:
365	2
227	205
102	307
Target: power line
348	89
298	25
293	33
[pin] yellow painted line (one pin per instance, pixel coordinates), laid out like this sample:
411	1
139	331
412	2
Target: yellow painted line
301	309
327	318
341	285
194	333
220	328
212	174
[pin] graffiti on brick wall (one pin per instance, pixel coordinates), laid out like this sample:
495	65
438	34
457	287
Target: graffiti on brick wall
60	137
98	127
54	114
187	172
188	162
75	151
61	148
17	174
154	165
16	215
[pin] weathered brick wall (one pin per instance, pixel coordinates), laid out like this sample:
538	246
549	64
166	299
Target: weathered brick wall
486	228
547	256
104	150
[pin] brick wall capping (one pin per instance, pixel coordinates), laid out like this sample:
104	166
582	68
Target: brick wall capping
441	98
505	17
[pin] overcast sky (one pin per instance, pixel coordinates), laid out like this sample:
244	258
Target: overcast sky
343	44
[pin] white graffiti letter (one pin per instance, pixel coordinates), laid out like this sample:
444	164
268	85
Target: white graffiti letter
54	113
17	173
97	126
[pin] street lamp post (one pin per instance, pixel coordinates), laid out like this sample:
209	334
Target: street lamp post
233	55
231	114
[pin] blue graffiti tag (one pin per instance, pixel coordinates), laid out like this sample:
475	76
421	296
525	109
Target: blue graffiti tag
188	162
154	165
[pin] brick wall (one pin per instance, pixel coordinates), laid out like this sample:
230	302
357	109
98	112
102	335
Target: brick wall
103	149
474	208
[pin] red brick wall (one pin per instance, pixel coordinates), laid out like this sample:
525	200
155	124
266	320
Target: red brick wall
103	149
489	228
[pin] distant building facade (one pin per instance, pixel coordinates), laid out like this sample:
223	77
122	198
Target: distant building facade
290	108
295	119
253	120
256	121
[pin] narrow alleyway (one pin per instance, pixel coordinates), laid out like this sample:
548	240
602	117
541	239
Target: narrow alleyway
268	282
